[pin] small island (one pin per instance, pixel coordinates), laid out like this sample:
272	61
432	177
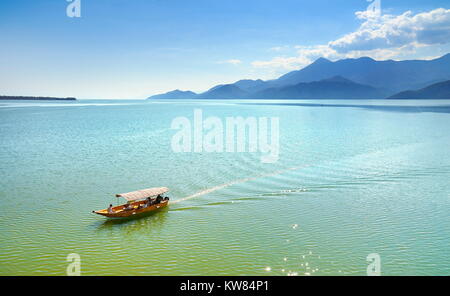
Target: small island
28	98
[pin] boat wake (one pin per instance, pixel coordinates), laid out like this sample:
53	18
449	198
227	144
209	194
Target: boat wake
239	181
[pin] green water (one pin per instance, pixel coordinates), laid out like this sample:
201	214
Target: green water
353	178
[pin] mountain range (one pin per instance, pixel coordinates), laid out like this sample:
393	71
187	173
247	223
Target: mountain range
362	78
175	94
437	91
336	87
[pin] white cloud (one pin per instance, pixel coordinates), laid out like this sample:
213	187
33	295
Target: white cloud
389	31
231	61
289	63
379	36
279	48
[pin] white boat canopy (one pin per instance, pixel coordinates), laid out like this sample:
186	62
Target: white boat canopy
143	194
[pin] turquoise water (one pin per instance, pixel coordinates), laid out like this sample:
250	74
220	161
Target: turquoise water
353	178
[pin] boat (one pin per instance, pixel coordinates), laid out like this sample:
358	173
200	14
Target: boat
139	203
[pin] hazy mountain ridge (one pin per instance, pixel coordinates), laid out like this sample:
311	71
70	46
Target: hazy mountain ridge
226	91
336	87
437	91
363	78
392	75
175	94
251	85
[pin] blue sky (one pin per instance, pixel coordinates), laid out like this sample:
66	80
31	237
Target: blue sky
131	49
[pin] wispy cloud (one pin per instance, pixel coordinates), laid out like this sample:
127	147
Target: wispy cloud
289	63
279	48
379	36
231	61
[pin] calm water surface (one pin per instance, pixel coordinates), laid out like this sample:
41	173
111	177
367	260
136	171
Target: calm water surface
353	178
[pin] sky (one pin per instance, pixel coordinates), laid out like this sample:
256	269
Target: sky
131	49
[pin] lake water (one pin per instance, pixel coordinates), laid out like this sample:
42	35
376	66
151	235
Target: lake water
353	178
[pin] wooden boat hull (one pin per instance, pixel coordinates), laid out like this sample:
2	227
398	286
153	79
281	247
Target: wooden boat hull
137	211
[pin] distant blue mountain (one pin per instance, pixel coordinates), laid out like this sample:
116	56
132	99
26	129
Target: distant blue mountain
325	79
437	91
251	85
175	94
226	91
336	87
390	75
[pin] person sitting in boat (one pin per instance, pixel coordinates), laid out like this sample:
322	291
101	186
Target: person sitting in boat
159	198
128	207
148	201
110	209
